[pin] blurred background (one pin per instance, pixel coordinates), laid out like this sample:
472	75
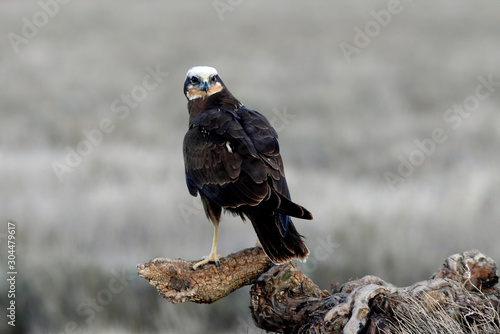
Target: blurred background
388	116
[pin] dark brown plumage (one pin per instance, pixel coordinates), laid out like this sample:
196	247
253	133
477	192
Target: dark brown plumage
232	159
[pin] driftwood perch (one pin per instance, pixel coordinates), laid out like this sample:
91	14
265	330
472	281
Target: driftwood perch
460	298
178	282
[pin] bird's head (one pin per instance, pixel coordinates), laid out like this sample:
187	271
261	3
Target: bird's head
201	82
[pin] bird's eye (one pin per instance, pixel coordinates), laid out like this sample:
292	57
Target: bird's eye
213	79
195	80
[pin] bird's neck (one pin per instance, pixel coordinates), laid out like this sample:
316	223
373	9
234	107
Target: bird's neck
223	99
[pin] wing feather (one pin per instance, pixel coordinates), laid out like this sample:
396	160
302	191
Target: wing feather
240	176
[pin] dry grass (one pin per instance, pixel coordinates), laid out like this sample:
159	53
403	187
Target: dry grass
426	315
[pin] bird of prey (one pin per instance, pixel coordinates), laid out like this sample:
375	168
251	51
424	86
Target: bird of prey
232	159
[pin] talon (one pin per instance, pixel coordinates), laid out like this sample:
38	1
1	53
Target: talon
206	259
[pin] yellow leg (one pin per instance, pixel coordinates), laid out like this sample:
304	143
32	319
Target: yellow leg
213	257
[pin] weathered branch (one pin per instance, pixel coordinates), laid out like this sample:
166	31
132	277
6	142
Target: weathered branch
460	298
460	295
178	282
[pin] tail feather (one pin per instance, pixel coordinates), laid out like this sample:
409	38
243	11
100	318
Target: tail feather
278	248
290	208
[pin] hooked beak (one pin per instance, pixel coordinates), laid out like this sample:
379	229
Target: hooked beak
205	86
